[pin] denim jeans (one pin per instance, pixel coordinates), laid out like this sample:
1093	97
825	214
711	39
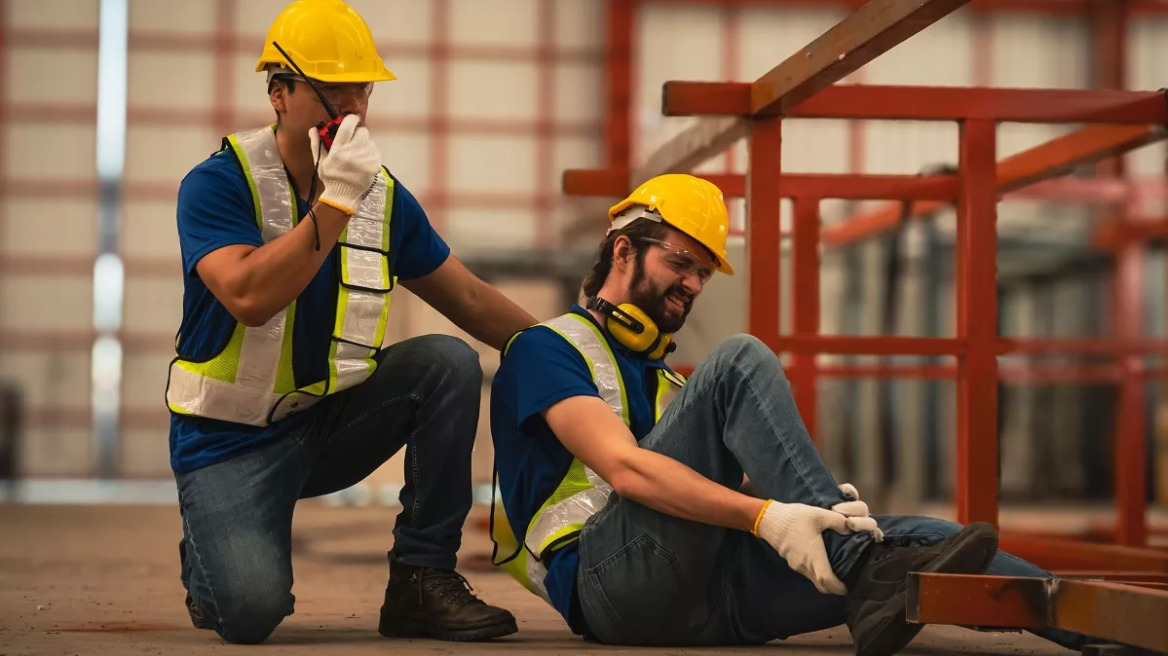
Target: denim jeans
237	514
650	578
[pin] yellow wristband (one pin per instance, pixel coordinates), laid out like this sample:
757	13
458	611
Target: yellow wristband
337	206
758	519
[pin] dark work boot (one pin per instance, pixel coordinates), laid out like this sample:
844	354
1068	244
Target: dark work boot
878	599
437	603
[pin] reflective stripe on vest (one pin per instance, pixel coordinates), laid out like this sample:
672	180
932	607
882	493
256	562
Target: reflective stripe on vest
581	493
251	380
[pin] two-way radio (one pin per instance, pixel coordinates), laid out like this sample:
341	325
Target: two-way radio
327	131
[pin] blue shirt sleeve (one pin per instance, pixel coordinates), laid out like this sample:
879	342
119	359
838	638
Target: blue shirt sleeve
420	250
545	369
215	209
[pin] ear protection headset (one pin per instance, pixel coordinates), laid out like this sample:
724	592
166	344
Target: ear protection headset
633	329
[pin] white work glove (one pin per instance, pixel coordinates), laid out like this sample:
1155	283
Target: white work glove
857	512
349	168
795	530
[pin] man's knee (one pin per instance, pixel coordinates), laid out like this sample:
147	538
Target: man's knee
453	358
743	351
251	616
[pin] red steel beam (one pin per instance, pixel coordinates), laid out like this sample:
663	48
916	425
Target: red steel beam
618	70
1131	425
1065	8
977	323
1057	554
862	36
923	103
805	306
763	211
1051	159
880	345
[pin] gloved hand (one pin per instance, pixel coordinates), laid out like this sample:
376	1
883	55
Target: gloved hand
857	512
349	168
795	531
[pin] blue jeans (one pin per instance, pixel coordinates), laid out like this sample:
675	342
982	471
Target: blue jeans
653	579
237	514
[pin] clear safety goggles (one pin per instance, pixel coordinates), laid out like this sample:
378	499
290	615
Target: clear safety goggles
338	92
684	262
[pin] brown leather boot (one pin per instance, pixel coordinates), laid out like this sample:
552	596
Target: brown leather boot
437	603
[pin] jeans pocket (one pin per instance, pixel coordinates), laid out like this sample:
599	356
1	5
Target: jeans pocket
639	587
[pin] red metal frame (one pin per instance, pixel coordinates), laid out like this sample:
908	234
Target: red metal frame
1120	121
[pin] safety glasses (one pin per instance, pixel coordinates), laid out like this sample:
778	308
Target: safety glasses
338	92
684	262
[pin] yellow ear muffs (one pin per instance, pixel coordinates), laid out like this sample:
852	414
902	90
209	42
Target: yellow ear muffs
633	329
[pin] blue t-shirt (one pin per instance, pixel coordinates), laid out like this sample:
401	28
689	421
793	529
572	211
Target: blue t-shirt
215	209
540	369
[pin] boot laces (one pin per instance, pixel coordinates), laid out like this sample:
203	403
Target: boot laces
447	584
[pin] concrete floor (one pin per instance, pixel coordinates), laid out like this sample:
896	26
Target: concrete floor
81	580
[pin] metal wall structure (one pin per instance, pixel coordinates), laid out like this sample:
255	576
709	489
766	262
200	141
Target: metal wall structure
494	97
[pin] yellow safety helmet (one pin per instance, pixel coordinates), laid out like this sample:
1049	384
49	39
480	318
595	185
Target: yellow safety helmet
688	203
328	40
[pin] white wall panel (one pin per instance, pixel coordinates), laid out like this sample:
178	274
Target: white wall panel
579	23
56	152
408	95
158	153
153	304
907	146
30	302
54	14
144	377
52	451
250	88
255	16
406	154
492	90
579	92
1045	52
146	452
1147	52
941	55
770	35
149	230
172	16
48	227
49	379
52	74
492	164
494	22
395	21
471	230
181	80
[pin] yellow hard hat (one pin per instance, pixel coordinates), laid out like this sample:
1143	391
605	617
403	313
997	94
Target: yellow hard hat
328	40
688	203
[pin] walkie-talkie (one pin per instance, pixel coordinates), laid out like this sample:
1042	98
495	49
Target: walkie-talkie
327	131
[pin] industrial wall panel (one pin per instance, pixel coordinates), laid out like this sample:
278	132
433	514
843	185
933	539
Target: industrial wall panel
405	154
146	453
149	230
244	89
56	451
32	302
35	151
769	35
1040	51
941	55
394	22
50	227
673	42
474	230
49	380
1147	52
492	90
578	92
144	381
579	23
165	154
904	147
409	95
51	74
178	81
55	14
153	304
252	17
815	146
494	22
492	164
151	15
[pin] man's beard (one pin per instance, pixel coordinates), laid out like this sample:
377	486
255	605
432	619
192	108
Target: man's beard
651	299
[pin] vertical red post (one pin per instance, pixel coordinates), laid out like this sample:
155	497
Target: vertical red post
805	306
438	199
226	34
977	324
1131	424
545	127
618	67
763	232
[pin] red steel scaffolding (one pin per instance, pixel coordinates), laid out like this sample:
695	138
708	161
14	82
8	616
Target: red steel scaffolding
804	86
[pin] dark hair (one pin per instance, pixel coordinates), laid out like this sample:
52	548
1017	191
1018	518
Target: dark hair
637	230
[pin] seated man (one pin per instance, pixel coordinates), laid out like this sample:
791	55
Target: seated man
622	480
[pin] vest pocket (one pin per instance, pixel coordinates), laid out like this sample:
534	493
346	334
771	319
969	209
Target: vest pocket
639	589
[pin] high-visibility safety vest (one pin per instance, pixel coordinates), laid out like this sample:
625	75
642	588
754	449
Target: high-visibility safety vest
251	380
581	493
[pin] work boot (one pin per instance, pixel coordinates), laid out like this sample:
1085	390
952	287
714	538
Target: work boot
878	599
438	603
